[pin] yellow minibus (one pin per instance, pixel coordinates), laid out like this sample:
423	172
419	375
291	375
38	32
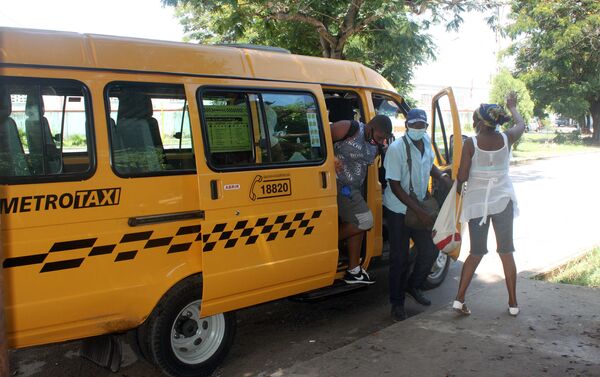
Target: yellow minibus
153	188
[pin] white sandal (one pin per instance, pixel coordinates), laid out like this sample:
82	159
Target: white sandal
460	307
514	311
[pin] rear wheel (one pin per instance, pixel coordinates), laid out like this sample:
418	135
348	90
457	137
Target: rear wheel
179	341
438	273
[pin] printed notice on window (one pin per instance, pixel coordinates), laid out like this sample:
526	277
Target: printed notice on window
313	130
228	128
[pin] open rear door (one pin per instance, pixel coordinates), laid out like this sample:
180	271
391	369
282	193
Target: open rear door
445	131
446	136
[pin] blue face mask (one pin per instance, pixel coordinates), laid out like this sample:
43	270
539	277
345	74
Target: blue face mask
416	133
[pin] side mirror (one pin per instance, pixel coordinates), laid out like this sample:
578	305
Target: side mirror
177	135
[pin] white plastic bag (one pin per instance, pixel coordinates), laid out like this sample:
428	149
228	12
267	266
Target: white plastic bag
446	230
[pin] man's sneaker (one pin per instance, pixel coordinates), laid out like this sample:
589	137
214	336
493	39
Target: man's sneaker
418	295
398	313
359	278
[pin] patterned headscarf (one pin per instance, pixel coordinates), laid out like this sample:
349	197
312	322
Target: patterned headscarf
491	114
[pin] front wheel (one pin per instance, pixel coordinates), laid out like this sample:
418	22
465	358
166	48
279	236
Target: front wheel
438	273
180	342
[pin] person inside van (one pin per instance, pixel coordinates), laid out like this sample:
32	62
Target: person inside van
396	200
355	147
276	152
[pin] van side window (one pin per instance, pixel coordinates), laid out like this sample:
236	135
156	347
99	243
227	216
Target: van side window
149	129
259	128
44	130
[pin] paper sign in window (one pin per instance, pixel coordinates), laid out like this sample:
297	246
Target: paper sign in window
228	128
313	130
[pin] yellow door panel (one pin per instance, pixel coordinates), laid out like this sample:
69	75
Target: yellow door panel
271	212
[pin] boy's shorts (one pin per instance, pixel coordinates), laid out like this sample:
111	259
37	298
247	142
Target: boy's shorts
353	209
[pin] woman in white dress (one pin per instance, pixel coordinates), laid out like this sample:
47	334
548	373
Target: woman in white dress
489	195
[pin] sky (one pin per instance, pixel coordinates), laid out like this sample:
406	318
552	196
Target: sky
465	59
133	18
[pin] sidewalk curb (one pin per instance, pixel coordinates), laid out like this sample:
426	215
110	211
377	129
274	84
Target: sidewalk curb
576	256
530	160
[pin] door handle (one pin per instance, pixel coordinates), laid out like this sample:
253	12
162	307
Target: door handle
324	179
214	189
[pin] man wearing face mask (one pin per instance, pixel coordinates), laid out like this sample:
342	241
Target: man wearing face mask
396	199
356	146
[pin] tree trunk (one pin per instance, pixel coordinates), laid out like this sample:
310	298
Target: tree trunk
337	54
581	122
332	51
595	111
4	370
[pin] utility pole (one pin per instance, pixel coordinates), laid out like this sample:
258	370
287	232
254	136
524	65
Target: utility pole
4	369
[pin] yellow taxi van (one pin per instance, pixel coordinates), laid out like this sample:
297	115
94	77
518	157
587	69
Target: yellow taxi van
154	187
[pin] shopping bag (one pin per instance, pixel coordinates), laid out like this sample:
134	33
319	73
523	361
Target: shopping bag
446	230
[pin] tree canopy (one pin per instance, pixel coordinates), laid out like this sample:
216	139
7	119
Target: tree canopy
389	36
557	50
504	83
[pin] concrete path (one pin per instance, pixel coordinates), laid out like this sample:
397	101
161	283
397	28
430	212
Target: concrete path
557	333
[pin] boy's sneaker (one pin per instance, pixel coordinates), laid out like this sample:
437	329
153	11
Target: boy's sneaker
359	278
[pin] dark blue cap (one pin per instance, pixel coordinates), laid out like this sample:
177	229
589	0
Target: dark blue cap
416	115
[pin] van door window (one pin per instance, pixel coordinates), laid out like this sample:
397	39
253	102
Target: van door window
45	130
261	128
149	129
442	131
396	111
344	105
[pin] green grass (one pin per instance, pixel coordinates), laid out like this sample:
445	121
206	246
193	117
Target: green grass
583	271
538	145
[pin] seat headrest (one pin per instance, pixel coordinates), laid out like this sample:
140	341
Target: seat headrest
31	106
5	104
339	109
134	105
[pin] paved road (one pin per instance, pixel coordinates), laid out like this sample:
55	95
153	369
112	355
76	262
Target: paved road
555	198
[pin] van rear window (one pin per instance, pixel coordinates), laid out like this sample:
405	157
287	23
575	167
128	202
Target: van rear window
45	130
149	129
248	128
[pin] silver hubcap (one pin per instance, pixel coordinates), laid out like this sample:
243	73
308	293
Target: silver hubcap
194	339
438	267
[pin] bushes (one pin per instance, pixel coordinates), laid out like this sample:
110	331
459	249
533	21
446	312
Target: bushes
567	138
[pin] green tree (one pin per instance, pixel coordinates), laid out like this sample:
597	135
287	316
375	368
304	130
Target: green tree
386	35
557	50
502	84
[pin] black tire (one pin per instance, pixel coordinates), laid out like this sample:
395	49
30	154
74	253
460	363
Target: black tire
142	342
439	270
162	330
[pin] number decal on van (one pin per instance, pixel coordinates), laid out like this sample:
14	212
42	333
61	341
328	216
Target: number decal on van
270	188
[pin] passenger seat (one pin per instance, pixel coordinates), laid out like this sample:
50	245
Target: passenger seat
136	137
12	156
37	130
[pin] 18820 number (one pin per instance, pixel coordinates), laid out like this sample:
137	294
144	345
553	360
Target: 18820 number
275	188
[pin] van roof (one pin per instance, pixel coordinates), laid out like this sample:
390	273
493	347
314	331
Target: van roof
69	49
